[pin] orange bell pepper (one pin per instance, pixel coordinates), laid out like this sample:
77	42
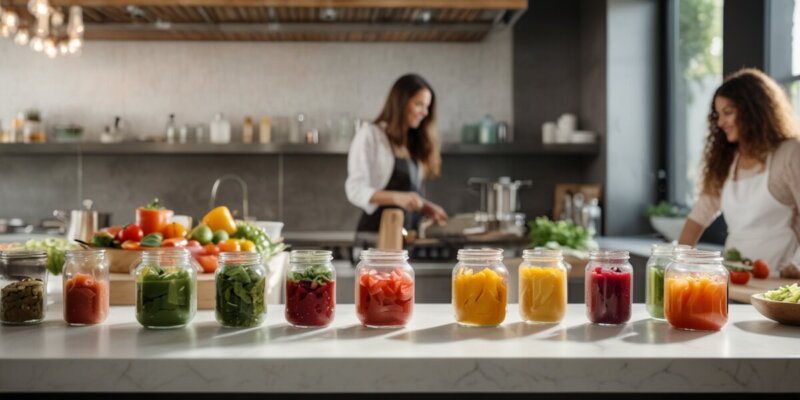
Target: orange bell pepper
220	218
153	218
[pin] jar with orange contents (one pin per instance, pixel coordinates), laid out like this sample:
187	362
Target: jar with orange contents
696	291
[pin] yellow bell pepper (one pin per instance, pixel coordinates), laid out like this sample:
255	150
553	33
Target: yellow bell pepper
220	218
479	298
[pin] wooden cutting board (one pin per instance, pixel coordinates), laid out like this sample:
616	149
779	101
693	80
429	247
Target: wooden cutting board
742	293
122	290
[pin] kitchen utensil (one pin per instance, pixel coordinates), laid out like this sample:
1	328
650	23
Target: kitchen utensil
82	224
390	232
779	311
500	201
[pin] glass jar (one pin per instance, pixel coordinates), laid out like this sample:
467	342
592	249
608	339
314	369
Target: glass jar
696	291
23	283
480	287
609	287
384	288
310	289
542	286
660	255
166	289
240	281
86	284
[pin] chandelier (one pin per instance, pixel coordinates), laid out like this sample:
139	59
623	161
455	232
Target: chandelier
48	31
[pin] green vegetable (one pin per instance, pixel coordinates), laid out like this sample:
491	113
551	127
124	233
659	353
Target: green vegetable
152	240
655	291
264	245
102	239
154	205
240	296
546	233
165	297
786	294
733	254
315	273
202	233
220	236
666	209
56	250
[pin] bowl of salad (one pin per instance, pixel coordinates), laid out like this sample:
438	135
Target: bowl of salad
780	305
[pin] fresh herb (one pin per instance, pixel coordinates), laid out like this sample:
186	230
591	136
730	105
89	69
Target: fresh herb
102	239
240	296
546	233
154	205
264	244
734	261
666	209
315	273
786	294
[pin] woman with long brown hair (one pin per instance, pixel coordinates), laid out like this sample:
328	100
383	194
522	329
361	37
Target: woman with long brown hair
751	170
389	158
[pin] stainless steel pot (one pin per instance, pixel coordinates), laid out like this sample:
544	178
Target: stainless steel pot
499	201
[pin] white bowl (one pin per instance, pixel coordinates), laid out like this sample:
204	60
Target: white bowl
668	227
273	228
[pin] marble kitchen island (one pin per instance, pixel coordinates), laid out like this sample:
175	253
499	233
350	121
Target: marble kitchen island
750	354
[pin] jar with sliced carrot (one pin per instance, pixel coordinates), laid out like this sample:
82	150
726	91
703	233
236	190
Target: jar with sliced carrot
86	297
696	291
480	287
542	286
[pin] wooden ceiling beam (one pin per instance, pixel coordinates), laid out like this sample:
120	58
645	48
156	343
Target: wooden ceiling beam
428	4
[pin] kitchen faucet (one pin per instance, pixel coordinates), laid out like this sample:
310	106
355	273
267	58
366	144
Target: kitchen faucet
242	183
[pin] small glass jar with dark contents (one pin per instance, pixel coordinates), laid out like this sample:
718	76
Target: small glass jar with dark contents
23	283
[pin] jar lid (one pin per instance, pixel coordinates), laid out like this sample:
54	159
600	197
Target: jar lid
480	254
239	257
543	253
310	256
384	255
699	256
20	254
609	255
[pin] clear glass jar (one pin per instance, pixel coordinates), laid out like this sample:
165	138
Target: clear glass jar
480	287
384	288
240	283
310	289
86	296
166	289
609	287
696	291
23	283
542	286
660	255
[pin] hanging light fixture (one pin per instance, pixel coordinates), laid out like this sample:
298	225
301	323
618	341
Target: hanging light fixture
9	22
53	33
23	37
39	8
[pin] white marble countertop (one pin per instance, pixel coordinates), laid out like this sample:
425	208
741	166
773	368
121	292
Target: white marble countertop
432	354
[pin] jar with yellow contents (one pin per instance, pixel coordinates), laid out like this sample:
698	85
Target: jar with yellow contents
542	286
480	287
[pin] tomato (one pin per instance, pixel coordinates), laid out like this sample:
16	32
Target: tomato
131	245
174	242
113	230
209	263
739	277
174	230
195	248
211	249
230	245
760	269
131	232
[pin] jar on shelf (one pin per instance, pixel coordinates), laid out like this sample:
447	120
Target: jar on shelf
384	288
310	289
661	254
23	283
609	287
480	287
240	283
542	286
166	289
696	291
86	287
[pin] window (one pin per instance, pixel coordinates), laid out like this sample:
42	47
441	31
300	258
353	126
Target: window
695	71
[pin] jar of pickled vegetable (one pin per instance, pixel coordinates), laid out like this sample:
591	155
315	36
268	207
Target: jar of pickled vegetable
166	288
310	289
384	288
609	287
542	286
85	287
660	255
23	283
240	281
480	287
696	291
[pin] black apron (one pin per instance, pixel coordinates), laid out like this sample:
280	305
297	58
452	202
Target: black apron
405	178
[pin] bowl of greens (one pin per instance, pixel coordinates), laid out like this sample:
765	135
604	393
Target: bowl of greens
667	219
780	305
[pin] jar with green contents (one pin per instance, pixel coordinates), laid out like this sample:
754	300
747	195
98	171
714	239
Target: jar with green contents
166	289
660	256
23	283
240	282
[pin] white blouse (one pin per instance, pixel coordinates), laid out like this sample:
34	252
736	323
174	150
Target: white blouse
370	164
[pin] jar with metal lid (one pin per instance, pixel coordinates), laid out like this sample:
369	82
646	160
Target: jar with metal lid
86	284
609	287
310	288
23	283
660	255
240	283
480	287
542	286
696	291
166	288
384	288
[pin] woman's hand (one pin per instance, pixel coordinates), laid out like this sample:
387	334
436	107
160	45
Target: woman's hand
434	211
408	200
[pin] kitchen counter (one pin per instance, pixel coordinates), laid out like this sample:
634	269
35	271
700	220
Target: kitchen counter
433	354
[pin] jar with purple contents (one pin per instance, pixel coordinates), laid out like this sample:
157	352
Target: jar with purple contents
609	287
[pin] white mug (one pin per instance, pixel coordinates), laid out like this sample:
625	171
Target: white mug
549	130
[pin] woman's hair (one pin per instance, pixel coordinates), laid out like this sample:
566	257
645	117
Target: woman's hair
764	118
421	143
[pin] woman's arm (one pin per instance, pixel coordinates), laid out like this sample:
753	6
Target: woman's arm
406	200
691	232
704	212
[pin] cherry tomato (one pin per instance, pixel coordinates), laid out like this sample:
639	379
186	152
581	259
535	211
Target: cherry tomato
209	263
131	232
739	277
211	249
230	245
760	269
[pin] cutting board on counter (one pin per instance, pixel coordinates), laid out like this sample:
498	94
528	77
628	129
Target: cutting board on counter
122	290
742	293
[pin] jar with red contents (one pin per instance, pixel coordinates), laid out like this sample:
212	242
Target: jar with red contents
86	287
609	287
310	289
384	288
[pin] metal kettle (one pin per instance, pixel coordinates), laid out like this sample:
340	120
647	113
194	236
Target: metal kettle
81	224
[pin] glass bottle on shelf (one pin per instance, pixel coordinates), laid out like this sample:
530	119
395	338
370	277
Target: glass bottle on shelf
247	130
265	131
384	288
310	288
86	287
696	291
542	286
171	130
609	287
